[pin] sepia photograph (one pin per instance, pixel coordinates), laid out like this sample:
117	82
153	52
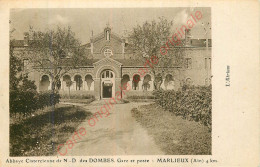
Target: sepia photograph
110	81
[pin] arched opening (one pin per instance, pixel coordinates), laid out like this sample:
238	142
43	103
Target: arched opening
146	82
136	79
168	82
89	80
44	83
67	81
124	81
107	84
78	81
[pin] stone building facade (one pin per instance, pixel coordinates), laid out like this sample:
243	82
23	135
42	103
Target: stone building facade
112	63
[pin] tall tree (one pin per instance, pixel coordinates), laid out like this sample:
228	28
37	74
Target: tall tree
147	39
54	52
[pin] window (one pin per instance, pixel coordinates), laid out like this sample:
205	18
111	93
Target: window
107	35
108	53
188	63
107	74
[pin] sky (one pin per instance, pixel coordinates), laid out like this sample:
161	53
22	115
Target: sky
121	20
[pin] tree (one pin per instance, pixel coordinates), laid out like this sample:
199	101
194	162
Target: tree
68	84
22	91
54	52
147	40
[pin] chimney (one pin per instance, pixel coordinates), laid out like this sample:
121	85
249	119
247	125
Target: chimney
187	37
26	39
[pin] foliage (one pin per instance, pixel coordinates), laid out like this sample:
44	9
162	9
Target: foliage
41	133
24	99
147	39
27	101
54	52
172	134
47	98
193	103
140	97
22	102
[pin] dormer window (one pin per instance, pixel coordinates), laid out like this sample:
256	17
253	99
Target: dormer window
107	35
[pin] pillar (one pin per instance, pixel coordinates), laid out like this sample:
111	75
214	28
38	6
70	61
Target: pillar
97	88
130	84
162	85
140	84
117	87
49	87
151	85
92	85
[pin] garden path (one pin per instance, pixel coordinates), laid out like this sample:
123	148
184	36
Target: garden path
117	134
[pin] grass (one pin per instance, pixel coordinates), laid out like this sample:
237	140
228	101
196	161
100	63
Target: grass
174	135
39	135
83	101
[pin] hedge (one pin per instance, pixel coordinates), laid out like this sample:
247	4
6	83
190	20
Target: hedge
194	103
28	101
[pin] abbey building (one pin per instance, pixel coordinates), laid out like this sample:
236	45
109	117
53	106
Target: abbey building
113	63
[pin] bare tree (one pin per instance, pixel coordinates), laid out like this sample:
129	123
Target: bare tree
147	40
54	52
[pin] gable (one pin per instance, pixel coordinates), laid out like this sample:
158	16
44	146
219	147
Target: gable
107	61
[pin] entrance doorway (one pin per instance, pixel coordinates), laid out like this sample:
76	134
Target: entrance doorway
107	84
107	91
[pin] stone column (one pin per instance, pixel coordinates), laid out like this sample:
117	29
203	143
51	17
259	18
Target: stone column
92	85
117	88
130	85
97	88
140	83
162	85
151	85
49	87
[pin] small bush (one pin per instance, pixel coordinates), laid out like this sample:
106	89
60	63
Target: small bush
26	102
47	98
140	97
193	103
23	102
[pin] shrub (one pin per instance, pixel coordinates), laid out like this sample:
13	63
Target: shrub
140	97
26	102
193	103
47	98
23	101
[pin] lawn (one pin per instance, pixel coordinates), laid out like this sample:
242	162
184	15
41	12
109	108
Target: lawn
82	101
41	133
174	135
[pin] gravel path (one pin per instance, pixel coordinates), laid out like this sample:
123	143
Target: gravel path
116	134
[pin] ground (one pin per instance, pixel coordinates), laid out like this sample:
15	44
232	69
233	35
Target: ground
117	134
133	128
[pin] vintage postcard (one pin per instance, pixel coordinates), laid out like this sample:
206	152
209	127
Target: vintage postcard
129	83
